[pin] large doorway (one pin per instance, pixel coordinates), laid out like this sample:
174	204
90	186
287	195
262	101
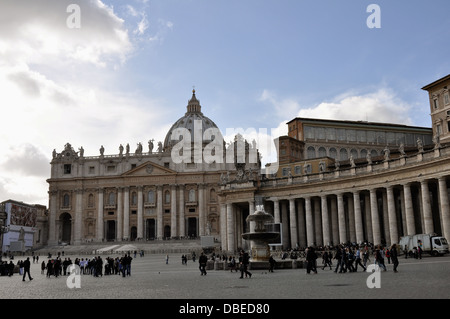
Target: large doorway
150	229
167	231
192	227
110	230
66	227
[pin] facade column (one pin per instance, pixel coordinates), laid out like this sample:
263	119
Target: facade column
444	207
52	218
230	228
159	213
409	212
173	211
182	227
140	214
100	225
325	221
426	207
126	213
201	209
341	218
309	222
393	229
276	211
78	216
301	223
293	223
359	228
119	220
375	217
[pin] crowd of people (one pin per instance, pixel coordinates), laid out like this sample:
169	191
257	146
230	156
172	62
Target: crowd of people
348	257
96	266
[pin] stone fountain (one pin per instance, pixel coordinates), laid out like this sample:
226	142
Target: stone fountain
260	236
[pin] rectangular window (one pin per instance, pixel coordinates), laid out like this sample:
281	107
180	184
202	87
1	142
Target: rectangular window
361	136
67	168
446	98
341	134
435	104
111	168
331	133
298	170
91	170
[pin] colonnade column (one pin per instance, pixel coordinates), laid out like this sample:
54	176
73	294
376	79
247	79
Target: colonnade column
230	228
426	208
444	206
276	211
100	215
409	212
173	211
309	222
391	215
293	223
223	226
341	218
301	223
325	220
359	228
375	217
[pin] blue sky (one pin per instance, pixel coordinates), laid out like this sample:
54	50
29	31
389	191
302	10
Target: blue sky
126	74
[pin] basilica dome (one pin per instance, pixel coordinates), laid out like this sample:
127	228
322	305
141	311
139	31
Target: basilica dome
188	121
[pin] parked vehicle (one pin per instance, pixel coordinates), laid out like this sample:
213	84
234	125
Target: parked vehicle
429	243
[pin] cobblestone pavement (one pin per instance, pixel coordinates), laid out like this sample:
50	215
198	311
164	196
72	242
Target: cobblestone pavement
152	278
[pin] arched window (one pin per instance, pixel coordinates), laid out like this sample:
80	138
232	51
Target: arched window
354	153
322	152
333	153
311	152
151	197
343	154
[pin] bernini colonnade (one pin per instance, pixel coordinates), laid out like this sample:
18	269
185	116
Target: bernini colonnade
376	202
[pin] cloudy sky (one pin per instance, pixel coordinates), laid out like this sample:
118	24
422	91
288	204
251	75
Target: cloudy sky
123	71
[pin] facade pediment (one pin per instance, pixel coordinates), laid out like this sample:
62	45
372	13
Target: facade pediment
149	168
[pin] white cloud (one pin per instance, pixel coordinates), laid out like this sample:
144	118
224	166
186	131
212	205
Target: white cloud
380	106
58	86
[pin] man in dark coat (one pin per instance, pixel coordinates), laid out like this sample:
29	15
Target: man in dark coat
26	269
202	264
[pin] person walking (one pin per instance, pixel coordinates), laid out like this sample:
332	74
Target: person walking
244	260
26	269
311	257
358	259
394	257
272	263
326	259
202	261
